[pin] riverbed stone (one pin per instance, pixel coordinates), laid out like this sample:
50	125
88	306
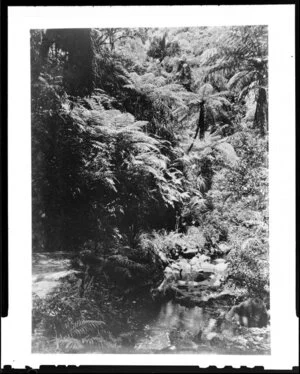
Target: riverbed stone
221	267
197	262
157	342
202	276
219	260
189	253
224	248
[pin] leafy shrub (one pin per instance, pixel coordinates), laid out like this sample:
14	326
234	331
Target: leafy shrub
160	48
70	323
171	244
215	229
249	266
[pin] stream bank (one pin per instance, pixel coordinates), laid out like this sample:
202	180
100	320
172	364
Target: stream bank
186	313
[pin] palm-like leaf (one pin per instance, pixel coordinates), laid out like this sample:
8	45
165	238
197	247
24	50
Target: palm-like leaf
69	344
241	54
84	328
213	107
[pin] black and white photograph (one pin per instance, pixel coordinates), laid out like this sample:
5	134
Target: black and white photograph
150	190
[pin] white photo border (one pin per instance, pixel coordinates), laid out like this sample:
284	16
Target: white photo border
280	19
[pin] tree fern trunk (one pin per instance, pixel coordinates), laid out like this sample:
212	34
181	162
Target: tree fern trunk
196	134
261	112
201	126
201	123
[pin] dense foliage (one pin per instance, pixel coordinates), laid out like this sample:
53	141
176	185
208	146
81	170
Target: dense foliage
145	143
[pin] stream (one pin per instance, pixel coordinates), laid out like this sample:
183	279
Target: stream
171	326
48	269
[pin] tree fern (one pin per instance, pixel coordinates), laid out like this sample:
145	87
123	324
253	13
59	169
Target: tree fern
84	336
222	145
241	54
160	48
212	107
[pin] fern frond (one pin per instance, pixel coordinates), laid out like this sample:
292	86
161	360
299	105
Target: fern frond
125	262
209	55
223	94
83	328
227	150
206	90
242	80
94	341
222	65
69	344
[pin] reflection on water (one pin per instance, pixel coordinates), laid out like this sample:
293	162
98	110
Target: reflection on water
155	328
150	327
174	316
176	328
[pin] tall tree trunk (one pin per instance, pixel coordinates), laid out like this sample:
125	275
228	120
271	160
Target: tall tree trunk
78	72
